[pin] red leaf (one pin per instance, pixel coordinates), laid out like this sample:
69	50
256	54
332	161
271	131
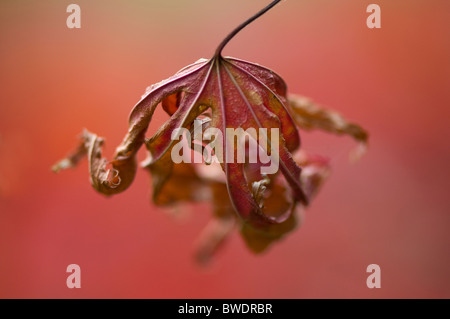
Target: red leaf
228	93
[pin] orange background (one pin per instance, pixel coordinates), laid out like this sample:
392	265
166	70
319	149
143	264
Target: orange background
392	208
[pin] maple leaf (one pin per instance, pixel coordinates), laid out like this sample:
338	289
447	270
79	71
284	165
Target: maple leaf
224	93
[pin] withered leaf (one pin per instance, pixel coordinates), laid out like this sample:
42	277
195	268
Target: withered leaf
226	93
311	116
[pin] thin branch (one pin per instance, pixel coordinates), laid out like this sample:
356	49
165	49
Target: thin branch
242	26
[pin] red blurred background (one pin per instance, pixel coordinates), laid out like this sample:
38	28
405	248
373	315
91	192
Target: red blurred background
391	208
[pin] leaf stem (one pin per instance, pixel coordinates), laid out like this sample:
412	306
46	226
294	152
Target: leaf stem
242	26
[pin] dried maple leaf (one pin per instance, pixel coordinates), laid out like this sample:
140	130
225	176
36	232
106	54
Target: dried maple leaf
309	116
226	93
